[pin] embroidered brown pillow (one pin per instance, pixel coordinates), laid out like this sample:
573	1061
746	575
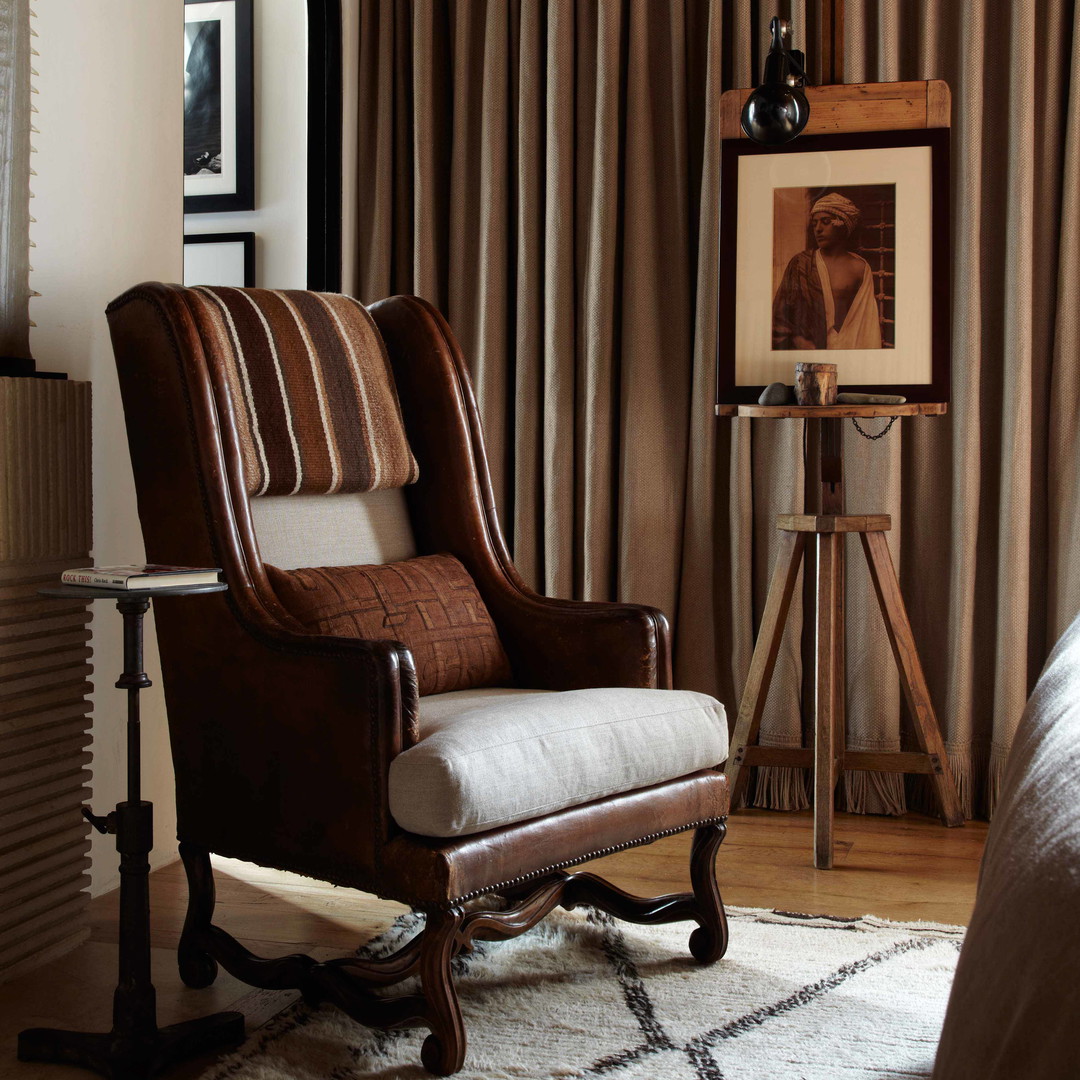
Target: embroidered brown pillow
430	604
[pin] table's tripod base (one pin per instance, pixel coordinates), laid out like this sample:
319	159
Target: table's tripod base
133	1057
828	757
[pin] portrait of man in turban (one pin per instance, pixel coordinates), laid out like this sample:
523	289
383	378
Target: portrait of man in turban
826	297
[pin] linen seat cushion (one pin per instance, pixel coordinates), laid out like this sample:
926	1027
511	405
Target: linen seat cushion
511	756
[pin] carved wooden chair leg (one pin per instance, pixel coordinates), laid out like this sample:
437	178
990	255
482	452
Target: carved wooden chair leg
709	941
197	967
443	1052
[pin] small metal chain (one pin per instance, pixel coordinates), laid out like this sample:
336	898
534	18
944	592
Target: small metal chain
880	435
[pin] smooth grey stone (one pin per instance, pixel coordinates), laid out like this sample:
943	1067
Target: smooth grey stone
870	399
777	394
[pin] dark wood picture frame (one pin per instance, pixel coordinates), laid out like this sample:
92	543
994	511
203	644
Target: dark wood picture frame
247	239
236	84
937	387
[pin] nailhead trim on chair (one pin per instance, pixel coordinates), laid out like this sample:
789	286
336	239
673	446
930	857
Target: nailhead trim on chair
343	875
585	858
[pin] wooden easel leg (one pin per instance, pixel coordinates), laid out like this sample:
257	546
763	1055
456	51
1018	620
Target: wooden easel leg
927	731
825	665
770	635
839	663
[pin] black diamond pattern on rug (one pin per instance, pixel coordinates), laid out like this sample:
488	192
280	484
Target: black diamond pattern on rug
697	1049
584	995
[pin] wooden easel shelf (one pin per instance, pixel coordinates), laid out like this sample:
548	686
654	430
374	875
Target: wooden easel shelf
833	412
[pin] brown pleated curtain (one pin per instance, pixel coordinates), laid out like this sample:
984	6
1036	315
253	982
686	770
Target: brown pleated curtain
546	172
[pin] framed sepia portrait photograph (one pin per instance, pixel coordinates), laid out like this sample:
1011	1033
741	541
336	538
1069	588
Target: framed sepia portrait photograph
836	244
219	128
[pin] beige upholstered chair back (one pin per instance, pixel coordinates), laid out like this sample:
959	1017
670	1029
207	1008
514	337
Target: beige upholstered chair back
333	530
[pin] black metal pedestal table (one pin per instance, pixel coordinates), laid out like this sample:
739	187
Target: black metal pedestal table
136	1048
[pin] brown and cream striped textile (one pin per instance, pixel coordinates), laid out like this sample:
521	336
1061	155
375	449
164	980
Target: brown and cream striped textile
311	388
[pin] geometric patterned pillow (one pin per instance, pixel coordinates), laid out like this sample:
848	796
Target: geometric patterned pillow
430	604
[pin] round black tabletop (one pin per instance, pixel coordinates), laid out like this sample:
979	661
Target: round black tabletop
88	592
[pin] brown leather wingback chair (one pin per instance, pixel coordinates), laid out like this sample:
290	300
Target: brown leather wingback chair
286	742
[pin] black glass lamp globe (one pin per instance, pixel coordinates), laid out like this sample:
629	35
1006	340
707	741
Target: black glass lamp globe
776	111
775	114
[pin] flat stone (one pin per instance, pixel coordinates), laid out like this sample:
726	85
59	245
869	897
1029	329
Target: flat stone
777	394
870	399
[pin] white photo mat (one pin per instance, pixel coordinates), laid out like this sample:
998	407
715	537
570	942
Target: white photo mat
219	259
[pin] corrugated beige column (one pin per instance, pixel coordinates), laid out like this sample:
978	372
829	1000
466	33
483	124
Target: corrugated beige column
45	517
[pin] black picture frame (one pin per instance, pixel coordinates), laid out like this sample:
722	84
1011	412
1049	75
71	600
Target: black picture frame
246	240
922	314
219	106
324	145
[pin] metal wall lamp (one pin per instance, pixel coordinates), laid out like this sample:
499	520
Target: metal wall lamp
778	110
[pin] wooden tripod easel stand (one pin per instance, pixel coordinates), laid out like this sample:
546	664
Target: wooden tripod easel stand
839	109
828	757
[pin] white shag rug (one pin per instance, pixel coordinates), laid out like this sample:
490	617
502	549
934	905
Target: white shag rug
584	995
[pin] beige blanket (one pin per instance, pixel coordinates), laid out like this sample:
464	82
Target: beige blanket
1014	1011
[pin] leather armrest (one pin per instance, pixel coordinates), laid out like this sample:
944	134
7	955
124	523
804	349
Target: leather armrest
283	737
570	645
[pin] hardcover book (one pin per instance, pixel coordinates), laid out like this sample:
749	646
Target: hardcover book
150	576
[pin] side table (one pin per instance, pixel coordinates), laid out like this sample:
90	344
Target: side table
828	523
136	1048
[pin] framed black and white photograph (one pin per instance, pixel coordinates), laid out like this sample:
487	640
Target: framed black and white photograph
219	130
836	243
220	259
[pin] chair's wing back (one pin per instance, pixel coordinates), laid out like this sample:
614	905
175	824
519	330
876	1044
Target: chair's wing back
296	424
551	643
229	393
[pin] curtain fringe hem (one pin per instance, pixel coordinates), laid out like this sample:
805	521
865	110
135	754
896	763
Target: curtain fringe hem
778	787
866	792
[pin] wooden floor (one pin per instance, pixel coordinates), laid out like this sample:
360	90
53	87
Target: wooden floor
900	868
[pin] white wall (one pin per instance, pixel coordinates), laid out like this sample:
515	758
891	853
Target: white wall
109	208
280	220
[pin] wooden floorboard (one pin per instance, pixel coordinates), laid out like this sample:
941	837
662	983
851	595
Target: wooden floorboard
909	868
